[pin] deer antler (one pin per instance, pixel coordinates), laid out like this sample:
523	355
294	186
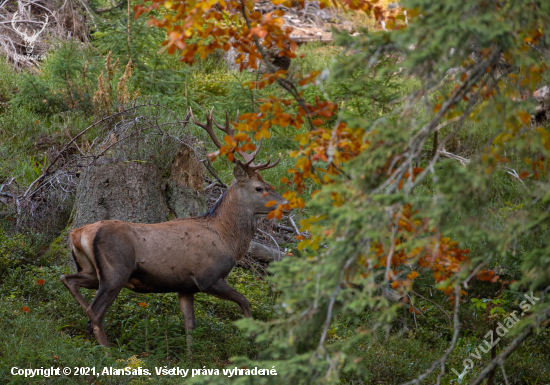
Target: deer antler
248	158
207	126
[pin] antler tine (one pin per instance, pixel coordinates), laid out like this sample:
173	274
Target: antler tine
227	129
249	158
207	126
266	165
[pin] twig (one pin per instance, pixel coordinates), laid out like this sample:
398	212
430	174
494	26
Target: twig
211	170
89	13
504	374
294	225
285	228
274	241
473	273
442	360
417	141
331	303
436	304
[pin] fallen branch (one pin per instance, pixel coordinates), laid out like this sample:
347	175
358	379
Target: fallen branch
294	225
464	161
263	253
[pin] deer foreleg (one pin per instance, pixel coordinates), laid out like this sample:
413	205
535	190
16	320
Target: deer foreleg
186	302
222	290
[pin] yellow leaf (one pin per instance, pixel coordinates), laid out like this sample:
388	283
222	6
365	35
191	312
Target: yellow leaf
229	140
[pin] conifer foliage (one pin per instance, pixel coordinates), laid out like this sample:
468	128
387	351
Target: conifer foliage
393	202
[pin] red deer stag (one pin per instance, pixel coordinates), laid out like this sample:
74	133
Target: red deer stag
186	256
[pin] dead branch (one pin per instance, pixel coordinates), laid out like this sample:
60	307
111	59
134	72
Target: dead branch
263	253
463	161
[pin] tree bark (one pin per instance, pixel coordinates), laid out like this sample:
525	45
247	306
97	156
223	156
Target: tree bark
184	189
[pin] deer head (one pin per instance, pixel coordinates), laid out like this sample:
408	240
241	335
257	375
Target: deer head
248	185
29	39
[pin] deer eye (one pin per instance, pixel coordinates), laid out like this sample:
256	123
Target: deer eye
259	189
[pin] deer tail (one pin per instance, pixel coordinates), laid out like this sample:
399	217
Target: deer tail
80	251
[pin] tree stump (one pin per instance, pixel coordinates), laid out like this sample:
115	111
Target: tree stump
184	189
127	191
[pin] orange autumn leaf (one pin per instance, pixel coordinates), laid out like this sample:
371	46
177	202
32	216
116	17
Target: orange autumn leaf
40	282
270	203
523	175
143	304
412	275
25	309
525	117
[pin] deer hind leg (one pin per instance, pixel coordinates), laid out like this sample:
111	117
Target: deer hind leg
186	302
105	296
222	290
115	260
75	281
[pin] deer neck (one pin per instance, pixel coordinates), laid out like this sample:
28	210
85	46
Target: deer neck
235	222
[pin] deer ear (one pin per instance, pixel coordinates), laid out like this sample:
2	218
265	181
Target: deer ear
239	172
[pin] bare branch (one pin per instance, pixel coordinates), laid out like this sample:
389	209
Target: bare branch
337	289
